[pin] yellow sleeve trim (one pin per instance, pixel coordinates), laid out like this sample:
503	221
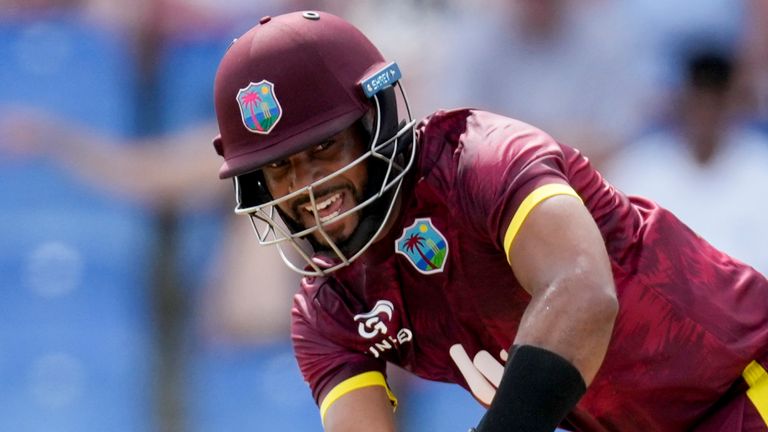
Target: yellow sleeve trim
532	200
757	378
366	379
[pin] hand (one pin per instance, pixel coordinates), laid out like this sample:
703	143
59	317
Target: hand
29	132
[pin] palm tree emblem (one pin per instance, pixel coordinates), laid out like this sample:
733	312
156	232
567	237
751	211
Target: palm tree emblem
416	241
259	108
250	99
424	246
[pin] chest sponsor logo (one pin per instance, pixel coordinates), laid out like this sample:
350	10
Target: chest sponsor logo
259	107
424	246
373	324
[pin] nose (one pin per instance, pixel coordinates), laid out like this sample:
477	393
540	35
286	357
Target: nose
303	172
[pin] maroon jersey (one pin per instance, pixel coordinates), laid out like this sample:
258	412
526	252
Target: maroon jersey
438	297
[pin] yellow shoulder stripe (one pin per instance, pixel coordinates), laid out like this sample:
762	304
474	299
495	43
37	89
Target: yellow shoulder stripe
757	378
366	379
532	200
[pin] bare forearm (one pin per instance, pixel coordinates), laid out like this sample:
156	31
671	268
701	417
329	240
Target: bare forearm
158	171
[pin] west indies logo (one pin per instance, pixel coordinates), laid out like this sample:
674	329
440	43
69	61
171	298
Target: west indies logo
259	107
425	246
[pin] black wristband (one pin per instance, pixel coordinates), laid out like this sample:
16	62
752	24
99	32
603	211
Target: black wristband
538	389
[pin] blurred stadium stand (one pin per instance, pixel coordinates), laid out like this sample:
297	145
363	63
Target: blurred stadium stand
257	388
79	349
432	406
226	387
185	97
75	345
261	388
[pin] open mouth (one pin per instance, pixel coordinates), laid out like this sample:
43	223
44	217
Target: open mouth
328	207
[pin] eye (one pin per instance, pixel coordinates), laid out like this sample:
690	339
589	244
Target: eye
323	146
278	164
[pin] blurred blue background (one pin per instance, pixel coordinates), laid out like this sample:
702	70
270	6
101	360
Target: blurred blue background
132	300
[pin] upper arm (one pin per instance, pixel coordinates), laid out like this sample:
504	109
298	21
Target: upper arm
366	408
514	186
558	255
552	236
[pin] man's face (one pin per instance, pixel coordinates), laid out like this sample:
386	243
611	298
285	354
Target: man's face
332	197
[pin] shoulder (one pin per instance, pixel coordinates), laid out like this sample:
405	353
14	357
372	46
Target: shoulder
316	300
486	164
324	311
322	324
474	138
455	122
317	296
326	340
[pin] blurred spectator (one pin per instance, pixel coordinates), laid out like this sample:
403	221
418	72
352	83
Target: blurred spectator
92	76
566	65
171	172
411	33
76	338
707	165
671	29
753	80
241	304
167	171
155	171
569	67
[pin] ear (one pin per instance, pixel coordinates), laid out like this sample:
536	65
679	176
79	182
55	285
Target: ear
368	120
217	145
253	189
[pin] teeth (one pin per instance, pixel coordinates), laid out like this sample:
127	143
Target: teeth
323	204
330	216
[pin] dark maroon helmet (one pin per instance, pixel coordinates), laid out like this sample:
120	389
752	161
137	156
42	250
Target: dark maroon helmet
294	81
291	81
